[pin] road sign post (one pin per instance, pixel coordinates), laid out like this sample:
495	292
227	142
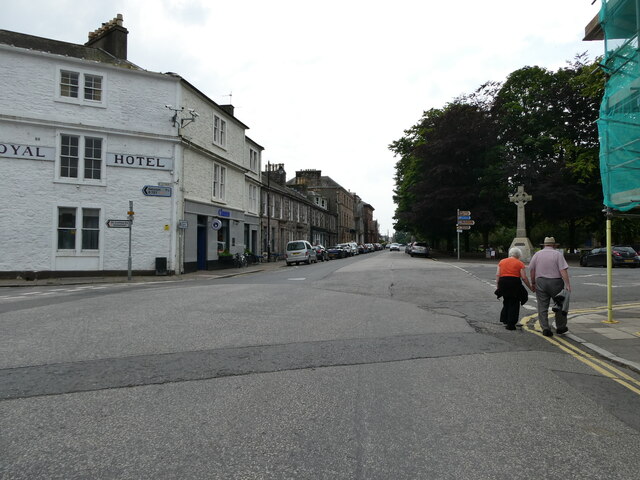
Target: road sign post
126	223
156	191
118	223
130	212
463	222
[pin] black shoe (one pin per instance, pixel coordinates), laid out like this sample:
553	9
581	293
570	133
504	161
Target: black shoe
555	309
547	333
561	330
510	327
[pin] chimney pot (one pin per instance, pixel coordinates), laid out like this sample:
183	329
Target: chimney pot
111	37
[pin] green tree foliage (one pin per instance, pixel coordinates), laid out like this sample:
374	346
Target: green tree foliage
547	126
442	164
537	129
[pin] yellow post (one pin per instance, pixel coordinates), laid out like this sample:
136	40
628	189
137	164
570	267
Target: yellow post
609	273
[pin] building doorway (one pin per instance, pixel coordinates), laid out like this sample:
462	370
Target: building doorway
202	242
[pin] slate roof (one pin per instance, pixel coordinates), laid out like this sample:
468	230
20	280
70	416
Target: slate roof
31	42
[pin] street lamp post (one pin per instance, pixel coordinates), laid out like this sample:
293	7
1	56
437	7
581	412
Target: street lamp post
268	212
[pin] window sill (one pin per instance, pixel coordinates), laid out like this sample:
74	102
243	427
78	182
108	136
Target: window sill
81	102
74	253
71	181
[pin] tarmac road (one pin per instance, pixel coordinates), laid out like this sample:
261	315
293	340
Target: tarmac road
382	366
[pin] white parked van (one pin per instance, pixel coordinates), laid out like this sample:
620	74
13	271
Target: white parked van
300	251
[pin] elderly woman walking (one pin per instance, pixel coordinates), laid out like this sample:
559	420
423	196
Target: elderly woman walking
509	277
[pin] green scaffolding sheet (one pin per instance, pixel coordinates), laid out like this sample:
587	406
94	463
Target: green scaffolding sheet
619	123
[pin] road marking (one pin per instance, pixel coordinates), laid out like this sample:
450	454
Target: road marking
296	279
600	366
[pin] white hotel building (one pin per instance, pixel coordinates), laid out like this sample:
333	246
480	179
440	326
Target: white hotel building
84	133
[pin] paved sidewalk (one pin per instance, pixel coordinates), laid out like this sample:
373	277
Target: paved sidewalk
619	342
202	274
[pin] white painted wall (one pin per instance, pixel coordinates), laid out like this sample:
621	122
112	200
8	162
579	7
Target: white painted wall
132	119
199	167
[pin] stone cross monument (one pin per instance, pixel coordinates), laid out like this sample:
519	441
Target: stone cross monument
520	198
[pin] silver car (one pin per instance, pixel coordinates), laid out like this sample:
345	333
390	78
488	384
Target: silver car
300	251
419	249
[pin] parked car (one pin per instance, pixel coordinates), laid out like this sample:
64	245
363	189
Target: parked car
351	247
394	247
620	256
321	252
407	248
300	251
419	249
336	252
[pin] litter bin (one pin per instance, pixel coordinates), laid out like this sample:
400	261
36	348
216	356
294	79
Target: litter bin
161	265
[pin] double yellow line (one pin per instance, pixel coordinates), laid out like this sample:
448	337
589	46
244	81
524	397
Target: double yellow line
600	366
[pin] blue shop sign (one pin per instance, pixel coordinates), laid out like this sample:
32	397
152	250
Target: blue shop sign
224	213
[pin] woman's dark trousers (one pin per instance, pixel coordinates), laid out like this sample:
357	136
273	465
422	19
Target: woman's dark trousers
510	311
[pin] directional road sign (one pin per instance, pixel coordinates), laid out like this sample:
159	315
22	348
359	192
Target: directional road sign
156	191
464	212
464	227
464	217
466	222
118	223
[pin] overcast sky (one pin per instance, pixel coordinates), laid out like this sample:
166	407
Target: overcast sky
329	84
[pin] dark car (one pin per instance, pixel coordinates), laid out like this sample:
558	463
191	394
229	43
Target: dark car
321	252
336	252
620	256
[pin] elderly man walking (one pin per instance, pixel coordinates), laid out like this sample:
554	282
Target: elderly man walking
549	276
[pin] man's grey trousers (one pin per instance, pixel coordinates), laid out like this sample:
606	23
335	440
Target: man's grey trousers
547	288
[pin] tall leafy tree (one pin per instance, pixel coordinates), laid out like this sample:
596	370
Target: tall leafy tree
446	153
547	129
538	128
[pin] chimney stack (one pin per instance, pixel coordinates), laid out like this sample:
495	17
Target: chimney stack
308	177
110	37
277	173
228	108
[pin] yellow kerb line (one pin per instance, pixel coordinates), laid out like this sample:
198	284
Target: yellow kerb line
595	367
609	371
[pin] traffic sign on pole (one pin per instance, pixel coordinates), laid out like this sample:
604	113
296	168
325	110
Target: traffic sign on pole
463	227
466	222
156	191
464	212
118	223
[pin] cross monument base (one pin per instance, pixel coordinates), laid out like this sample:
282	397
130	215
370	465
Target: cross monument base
524	244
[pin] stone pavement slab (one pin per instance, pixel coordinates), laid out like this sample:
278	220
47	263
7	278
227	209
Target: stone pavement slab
619	342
